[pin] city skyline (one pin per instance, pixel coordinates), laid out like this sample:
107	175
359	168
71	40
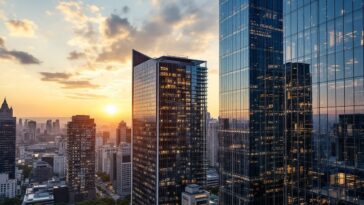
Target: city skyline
74	57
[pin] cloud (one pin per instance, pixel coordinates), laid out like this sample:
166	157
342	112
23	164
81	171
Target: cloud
18	56
75	55
85	96
21	28
116	26
66	81
77	84
125	9
47	76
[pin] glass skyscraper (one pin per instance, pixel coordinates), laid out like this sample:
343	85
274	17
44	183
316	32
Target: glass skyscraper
251	135
323	41
169	106
7	140
81	157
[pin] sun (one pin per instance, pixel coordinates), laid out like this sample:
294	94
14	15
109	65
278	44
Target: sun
111	109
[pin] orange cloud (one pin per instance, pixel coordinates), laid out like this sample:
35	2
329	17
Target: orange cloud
21	28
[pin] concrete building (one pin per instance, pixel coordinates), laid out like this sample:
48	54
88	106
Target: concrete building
123	183
212	142
7	186
194	195
59	166
41	172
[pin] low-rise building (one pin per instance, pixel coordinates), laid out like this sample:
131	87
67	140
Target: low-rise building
195	195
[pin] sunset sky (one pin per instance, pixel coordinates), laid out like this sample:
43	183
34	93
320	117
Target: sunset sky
61	58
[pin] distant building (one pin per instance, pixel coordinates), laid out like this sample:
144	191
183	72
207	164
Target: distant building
7	186
123	133
41	172
31	132
194	195
7	140
49	127
59	167
81	157
123	183
105	137
212	142
169	130
212	178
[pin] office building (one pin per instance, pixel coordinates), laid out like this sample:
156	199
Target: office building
195	195
123	160
169	107
327	37
41	172
7	140
298	136
59	166
8	187
123	133
212	142
81	157
251	142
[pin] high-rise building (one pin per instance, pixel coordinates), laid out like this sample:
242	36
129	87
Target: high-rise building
81	157
32	131
7	140
42	171
327	37
123	133
298	135
49	127
123	183
251	146
212	142
105	137
169	107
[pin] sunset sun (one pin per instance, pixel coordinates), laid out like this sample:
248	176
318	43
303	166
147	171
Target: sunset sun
111	109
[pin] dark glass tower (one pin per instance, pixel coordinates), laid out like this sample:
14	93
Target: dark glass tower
251	102
7	140
169	106
81	157
298	135
327	37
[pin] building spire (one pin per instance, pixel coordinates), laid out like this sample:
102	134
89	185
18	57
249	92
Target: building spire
4	105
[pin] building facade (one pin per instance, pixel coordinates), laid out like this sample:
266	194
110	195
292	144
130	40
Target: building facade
169	106
7	140
123	160
7	186
212	142
323	40
59	165
81	157
251	142
123	133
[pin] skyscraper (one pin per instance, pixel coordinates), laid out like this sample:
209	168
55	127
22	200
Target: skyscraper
327	37
7	140
251	146
81	156
123	133
169	106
